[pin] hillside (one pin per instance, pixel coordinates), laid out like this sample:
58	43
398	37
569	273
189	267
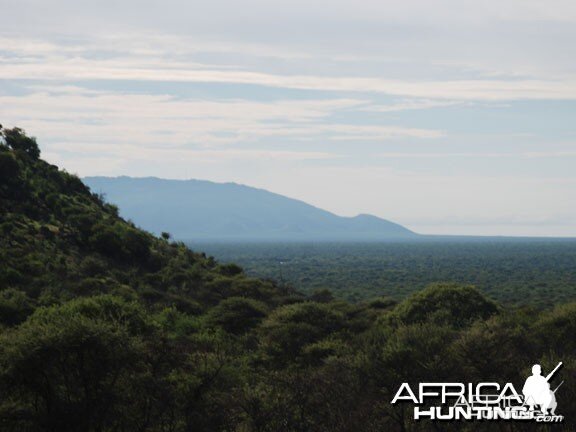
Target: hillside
107	328
60	240
203	210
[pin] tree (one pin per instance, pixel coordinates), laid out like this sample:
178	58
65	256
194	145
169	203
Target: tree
18	141
237	314
74	367
451	304
289	329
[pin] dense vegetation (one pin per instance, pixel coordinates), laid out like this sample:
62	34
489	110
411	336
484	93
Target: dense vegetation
535	272
105	328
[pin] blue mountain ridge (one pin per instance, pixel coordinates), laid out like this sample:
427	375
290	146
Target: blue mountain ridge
204	210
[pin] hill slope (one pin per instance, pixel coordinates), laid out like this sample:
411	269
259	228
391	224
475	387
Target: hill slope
196	210
59	240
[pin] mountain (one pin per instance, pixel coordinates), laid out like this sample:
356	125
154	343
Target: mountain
204	210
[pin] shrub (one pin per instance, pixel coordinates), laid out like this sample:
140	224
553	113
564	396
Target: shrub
9	168
15	306
450	304
237	314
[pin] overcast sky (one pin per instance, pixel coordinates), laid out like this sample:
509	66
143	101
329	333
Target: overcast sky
448	116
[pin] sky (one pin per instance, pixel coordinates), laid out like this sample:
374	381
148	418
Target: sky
447	116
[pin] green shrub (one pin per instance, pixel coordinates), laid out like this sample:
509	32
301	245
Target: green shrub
15	306
237	314
451	304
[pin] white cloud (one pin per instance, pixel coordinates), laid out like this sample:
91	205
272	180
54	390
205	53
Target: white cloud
411	104
462	90
474	155
71	114
171	59
171	155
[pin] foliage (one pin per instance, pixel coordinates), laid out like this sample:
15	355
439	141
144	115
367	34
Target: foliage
237	314
17	140
517	272
448	304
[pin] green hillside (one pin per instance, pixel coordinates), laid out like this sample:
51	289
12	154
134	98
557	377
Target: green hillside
60	241
107	328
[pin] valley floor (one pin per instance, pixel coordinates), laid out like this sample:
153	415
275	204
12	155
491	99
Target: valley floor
516	272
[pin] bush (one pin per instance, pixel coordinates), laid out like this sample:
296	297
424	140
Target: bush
121	241
450	304
288	329
556	329
230	269
237	315
66	364
15	307
9	168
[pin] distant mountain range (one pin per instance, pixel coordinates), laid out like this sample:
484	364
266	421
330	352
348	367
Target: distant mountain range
203	210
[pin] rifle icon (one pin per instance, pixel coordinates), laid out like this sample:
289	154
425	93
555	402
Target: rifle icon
554	391
553	372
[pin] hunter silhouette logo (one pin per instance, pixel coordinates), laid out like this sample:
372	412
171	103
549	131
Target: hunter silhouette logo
537	391
485	400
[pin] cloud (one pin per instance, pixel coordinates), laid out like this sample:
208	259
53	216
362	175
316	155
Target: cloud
474	155
99	59
70	113
411	104
462	90
170	155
